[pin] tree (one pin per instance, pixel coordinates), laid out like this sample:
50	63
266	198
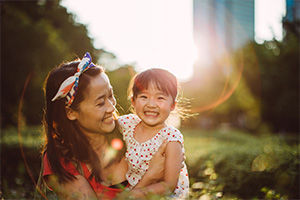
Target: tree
120	79
35	37
277	80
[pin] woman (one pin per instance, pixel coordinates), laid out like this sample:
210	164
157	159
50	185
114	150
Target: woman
79	120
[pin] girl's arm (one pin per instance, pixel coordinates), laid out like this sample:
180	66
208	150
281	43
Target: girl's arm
154	174
173	164
156	168
75	189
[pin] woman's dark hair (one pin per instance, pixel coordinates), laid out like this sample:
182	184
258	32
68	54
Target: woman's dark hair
162	79
64	140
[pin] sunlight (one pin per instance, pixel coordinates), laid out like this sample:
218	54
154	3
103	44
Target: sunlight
203	58
268	24
141	32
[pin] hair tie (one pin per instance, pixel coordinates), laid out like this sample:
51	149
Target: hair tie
68	88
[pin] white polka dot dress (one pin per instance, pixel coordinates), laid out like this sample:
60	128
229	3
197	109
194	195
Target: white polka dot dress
139	155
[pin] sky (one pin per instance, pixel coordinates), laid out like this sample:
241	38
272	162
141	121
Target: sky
152	33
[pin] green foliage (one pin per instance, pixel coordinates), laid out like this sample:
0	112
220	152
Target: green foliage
120	79
35	37
271	194
29	137
272	74
236	163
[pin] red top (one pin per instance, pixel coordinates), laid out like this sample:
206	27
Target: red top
107	192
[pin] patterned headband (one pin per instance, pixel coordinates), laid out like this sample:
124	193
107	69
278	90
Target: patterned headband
69	87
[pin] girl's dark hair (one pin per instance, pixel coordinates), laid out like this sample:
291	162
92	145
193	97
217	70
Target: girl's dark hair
64	140
162	79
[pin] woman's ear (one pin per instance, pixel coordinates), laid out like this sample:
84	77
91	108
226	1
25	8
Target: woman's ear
71	114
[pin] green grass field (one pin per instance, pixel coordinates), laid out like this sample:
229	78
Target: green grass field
223	164
232	163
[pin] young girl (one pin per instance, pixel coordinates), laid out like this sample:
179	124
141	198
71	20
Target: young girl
153	97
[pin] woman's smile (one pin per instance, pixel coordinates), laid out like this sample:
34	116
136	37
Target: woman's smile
108	120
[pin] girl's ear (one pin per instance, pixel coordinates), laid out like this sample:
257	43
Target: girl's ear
173	106
71	114
132	101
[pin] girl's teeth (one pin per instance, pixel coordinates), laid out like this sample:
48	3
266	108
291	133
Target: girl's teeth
151	113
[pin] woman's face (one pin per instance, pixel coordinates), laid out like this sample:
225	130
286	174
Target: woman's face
95	113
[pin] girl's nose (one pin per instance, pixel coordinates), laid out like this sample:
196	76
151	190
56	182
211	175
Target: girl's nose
152	102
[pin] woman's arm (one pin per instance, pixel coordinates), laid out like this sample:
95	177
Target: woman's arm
76	189
173	164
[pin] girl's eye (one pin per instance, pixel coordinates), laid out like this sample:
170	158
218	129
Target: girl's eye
161	98
143	97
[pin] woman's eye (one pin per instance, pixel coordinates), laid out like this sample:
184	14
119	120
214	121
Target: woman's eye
111	94
100	104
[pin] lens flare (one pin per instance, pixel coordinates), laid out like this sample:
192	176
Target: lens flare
21	139
117	144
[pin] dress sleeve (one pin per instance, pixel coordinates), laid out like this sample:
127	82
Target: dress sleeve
126	122
174	135
123	122
68	166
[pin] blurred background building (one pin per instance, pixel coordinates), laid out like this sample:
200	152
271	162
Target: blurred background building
292	10
221	26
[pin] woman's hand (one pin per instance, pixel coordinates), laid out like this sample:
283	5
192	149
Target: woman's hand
156	168
157	163
160	177
78	188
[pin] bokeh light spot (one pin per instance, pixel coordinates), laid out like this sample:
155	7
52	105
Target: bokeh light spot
117	144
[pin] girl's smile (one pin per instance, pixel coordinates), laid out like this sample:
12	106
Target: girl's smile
151	113
153	106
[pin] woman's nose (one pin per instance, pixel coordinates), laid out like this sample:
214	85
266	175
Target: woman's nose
112	103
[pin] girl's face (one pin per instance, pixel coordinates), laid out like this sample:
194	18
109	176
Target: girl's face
153	106
95	113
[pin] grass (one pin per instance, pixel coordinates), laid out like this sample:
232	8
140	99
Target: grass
30	137
229	161
199	143
222	163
